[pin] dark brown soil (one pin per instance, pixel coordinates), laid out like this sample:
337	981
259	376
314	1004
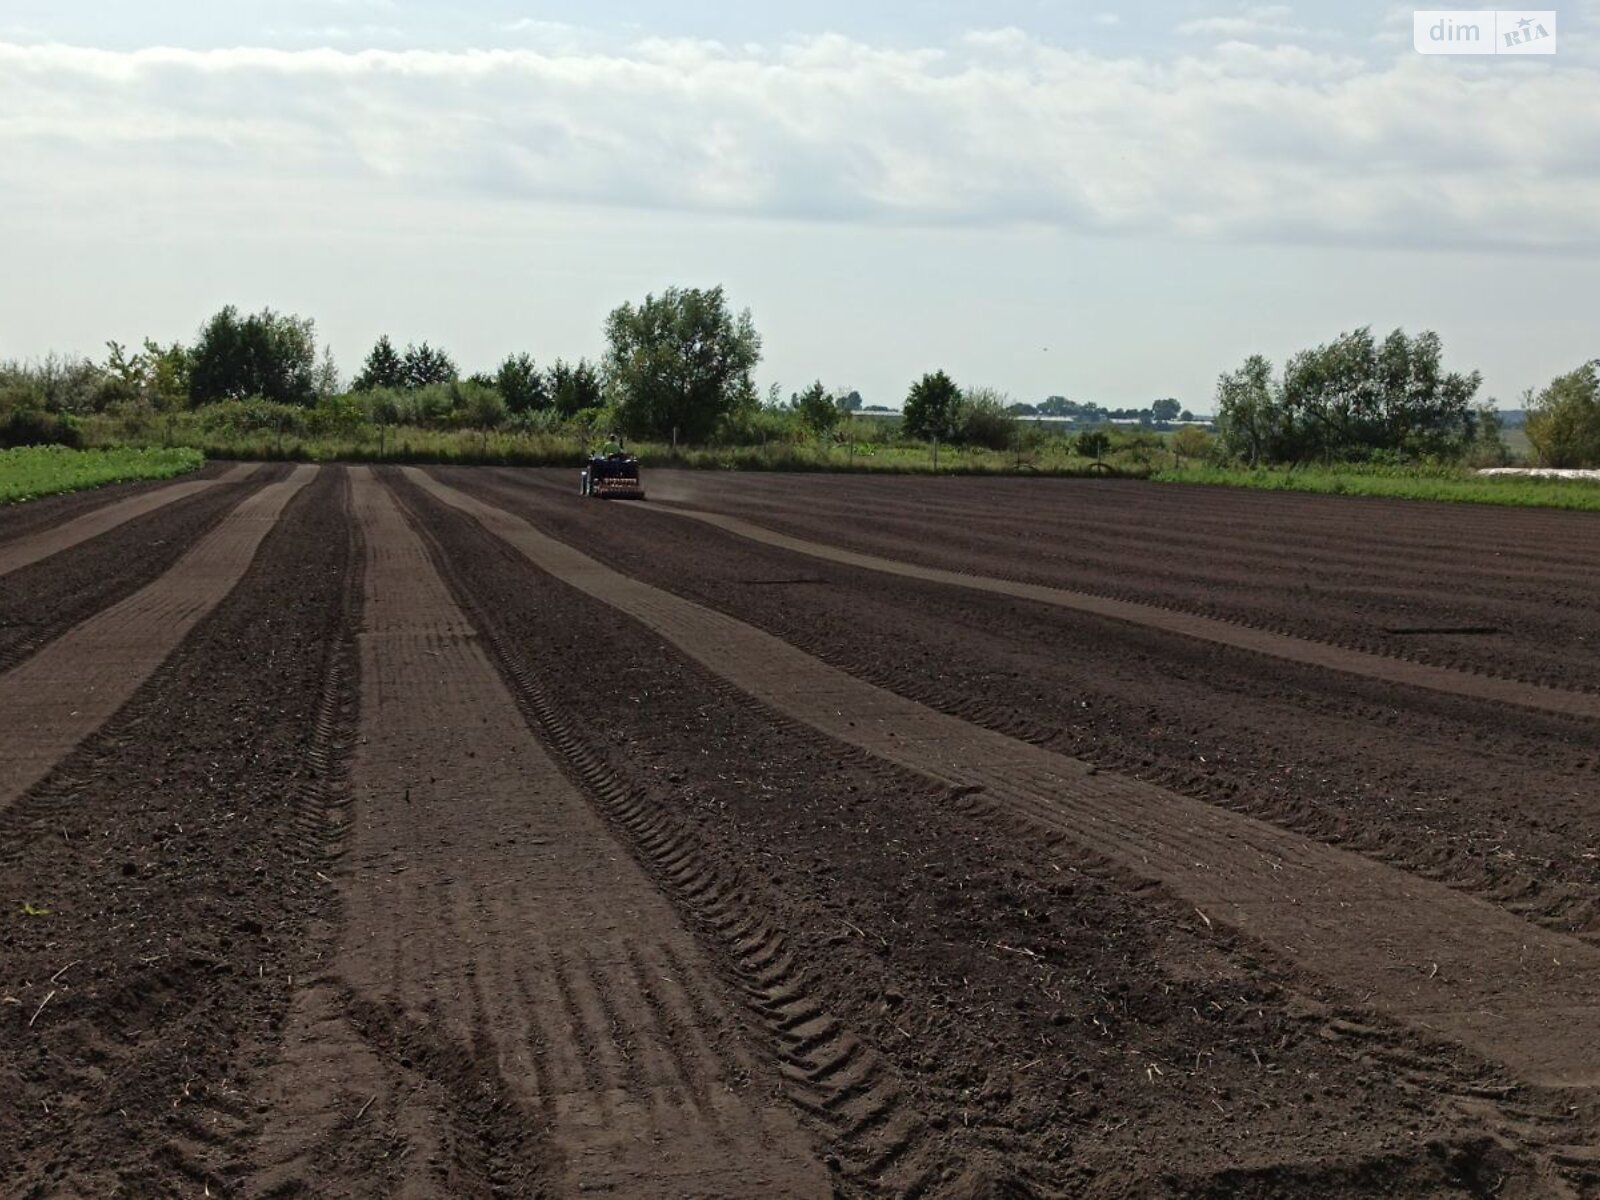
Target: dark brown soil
167	869
1507	591
40	601
225	967
1063	1032
19	520
1488	797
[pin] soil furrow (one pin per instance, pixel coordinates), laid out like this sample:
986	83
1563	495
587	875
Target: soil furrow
28	549
1259	641
160	896
1351	571
42	601
70	688
1060	1029
27	517
1491	799
1415	949
470	848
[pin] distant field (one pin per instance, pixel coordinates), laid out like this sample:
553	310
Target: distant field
29	472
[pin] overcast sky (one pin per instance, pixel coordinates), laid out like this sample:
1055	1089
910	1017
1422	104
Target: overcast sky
1109	202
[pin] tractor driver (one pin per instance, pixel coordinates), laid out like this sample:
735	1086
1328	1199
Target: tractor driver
613	445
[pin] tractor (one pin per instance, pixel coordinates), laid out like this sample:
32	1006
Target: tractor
613	476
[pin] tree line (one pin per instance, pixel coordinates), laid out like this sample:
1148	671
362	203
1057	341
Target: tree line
681	365
1359	399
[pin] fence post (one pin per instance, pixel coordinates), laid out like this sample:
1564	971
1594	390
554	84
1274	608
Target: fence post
935	454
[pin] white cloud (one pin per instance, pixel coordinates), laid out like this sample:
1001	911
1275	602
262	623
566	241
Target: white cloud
1244	142
1263	20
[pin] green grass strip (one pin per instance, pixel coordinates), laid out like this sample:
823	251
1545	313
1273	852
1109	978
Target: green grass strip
1445	484
29	472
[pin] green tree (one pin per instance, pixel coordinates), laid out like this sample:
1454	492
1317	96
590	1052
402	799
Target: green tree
1355	397
983	419
383	368
931	407
522	384
422	366
682	360
818	411
479	405
1165	411
850	402
1249	415
1488	447
573	388
1092	443
1564	419
266	354
167	371
326	379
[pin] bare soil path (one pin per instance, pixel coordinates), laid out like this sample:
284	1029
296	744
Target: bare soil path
380	842
511	998
27	549
1416	950
1499	590
1209	629
1494	799
157	890
42	600
1056	1027
54	699
32	516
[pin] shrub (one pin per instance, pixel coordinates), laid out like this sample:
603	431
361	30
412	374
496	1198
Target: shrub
31	427
982	420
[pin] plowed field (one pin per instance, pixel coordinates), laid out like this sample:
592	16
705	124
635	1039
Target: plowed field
436	833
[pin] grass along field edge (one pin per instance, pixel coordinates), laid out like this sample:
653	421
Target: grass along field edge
29	472
1456	486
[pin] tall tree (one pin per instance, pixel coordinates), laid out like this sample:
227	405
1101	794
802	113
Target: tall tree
422	366
818	411
1249	416
932	407
681	360
267	354
1564	419
573	388
522	384
326	380
1356	396
383	368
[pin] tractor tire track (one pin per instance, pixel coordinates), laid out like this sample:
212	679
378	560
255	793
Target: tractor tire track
880	1143
949	970
1489	799
497	944
67	690
1418	951
28	549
